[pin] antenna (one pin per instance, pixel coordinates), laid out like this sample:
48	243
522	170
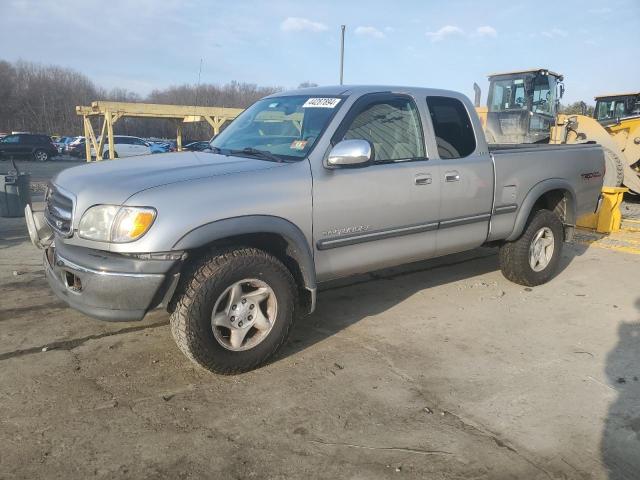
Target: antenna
342	29
195	103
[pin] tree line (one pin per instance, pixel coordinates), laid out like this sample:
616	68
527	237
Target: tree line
42	99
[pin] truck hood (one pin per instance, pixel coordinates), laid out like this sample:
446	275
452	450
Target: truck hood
113	181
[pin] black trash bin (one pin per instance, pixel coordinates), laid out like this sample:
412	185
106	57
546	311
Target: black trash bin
15	193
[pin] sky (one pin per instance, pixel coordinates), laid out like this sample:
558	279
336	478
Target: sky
141	45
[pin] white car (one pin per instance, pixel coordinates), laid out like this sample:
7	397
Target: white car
125	146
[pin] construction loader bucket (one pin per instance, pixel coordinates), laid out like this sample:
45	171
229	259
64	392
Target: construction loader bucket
608	217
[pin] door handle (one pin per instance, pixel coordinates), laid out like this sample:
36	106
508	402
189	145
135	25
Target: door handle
422	179
451	177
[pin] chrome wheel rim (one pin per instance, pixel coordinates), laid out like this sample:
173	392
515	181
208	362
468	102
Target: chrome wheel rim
41	156
244	314
541	249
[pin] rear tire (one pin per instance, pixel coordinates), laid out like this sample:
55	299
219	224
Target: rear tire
105	155
41	155
209	283
533	258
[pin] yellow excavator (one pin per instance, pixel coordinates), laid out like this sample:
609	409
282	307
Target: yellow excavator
522	107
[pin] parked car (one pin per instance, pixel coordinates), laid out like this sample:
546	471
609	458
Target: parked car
62	143
340	181
160	147
196	146
34	146
76	148
125	146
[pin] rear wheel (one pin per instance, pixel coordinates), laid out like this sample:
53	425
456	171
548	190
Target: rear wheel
533	258
40	155
233	310
105	155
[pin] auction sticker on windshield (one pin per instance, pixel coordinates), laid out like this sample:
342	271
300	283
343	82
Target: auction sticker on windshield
321	102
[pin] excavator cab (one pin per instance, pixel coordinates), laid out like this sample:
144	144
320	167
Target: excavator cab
612	109
521	106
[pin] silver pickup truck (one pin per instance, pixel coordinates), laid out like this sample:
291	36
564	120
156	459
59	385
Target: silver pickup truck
303	187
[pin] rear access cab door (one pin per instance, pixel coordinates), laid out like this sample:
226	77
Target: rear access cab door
466	174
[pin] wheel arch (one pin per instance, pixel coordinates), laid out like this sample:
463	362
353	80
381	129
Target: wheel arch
553	194
272	234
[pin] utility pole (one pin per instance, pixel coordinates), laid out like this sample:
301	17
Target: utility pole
342	28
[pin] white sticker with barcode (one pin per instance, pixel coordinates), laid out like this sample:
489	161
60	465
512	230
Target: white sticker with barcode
319	102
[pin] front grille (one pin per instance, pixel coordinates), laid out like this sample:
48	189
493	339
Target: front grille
58	210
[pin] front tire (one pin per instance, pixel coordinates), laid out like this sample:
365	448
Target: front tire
41	155
533	258
233	310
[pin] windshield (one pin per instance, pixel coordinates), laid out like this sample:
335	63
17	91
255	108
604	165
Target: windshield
544	94
287	127
614	108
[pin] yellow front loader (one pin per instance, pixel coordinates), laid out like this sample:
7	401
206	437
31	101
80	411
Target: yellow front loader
616	126
522	107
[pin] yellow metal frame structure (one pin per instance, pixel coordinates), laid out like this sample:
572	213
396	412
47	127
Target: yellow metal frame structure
114	111
608	218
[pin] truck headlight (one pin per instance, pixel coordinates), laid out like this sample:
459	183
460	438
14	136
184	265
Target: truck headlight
112	223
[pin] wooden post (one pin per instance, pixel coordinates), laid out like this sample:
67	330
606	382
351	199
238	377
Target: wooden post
109	120
101	143
87	145
90	138
179	137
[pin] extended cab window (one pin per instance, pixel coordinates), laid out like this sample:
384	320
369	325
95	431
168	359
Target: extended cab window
452	127
393	127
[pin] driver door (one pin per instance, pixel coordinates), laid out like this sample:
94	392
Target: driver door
383	213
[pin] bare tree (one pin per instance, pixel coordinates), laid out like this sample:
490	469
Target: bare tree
42	98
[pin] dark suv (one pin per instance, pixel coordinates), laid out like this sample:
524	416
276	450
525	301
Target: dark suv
38	147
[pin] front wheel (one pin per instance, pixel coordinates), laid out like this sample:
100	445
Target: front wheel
40	156
533	258
233	310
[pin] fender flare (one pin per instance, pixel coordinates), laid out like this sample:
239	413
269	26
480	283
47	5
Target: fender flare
532	197
297	245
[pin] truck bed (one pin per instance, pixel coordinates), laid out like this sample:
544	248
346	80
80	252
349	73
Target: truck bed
520	168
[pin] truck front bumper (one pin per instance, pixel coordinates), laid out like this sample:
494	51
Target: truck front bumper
109	286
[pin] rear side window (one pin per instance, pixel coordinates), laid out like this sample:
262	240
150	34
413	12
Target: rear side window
393	127
452	126
11	139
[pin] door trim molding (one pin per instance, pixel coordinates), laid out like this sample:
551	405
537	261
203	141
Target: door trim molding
505	209
346	240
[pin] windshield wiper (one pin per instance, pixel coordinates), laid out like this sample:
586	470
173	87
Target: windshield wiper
254	152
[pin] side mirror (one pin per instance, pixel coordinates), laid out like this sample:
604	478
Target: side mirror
349	153
561	90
